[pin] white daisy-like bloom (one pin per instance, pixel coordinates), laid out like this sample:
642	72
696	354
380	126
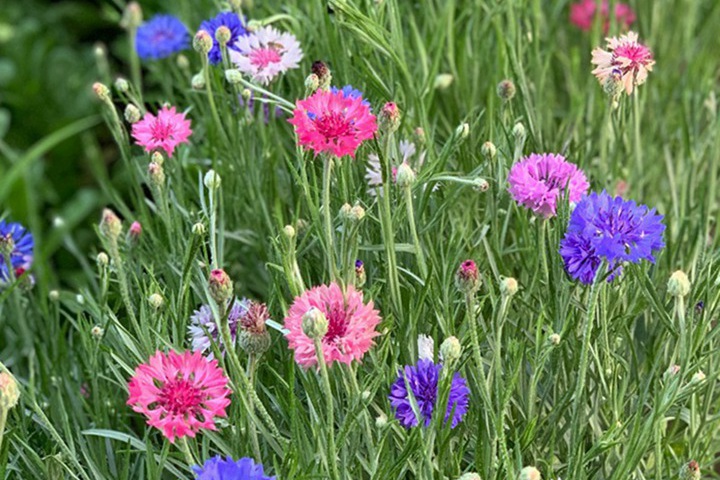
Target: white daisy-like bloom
266	53
373	171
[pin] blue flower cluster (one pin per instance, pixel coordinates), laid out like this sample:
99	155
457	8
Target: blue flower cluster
218	468
233	23
160	37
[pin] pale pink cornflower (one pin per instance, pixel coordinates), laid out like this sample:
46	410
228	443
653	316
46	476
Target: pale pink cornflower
373	171
539	181
179	393
625	61
351	325
333	122
165	131
266	53
582	14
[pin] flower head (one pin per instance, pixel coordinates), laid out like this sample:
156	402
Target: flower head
333	122
613	230
582	14
218	468
17	244
539	181
233	23
179	393
266	53
204	331
423	381
160	37
373	171
351	325
625	61
168	130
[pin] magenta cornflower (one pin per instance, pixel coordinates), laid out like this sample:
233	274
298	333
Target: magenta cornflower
179	393
540	180
266	53
351	325
625	61
582	14
165	131
332	122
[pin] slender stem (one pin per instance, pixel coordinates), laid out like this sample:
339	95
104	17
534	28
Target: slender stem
332	451
125	290
327	216
185	448
499	381
413	231
636	134
211	99
214	261
252	366
388	235
135	64
3	419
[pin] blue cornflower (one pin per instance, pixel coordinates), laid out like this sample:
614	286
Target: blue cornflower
160	37
218	468
18	243
350	92
230	20
613	230
423	379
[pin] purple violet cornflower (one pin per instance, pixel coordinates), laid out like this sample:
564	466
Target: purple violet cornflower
160	37
540	180
613	230
17	244
232	22
423	380
218	468
203	327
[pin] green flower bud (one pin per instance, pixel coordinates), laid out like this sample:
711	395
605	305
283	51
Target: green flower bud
314	324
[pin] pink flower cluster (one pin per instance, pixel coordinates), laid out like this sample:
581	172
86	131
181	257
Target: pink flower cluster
582	14
165	131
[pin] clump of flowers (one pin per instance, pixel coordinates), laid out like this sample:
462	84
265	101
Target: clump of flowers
624	62
218	468
165	131
266	53
160	37
582	14
610	230
333	122
539	180
223	19
373	171
16	245
350	325
179	393
422	381
204	331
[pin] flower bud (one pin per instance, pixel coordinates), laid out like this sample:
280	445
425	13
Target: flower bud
253	336
450	350
312	83
678	285
157	157
481	185
80	299
488	150
221	287
357	213
110	225
212	180
443	81
198	228
132	113
198	81
467	277
405	175
699	377
506	90
690	471
246	94
314	324
97	332
156	174
389	120
223	35
132	16
54	295
289	232
426	347
9	392
529	473
519	133
182	62
420	138
462	131
122	85
345	210
301	225
135	231
381	421
202	42
7	245
671	372
102	92
102	260
156	301
321	70
360	277
554	339
508	286
233	76
470	476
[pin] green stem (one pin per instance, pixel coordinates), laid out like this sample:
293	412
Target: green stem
214	261
135	64
499	381
636	134
3	419
327	216
185	448
125	290
332	451
413	231
388	235
252	366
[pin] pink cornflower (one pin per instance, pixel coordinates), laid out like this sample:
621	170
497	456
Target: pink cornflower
351	325
166	131
538	181
625	61
266	53
333	122
582	14
179	393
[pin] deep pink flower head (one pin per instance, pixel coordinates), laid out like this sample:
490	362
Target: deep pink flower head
351	325
166	131
625	61
135	230
538	181
179	393
333	122
582	14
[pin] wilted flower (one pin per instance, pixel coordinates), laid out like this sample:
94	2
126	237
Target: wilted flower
253	336
625	59
266	53
160	37
165	131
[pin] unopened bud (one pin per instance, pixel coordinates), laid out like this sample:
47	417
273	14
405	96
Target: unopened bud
443	81
223	35
102	92
198	229
690	471
451	350
381	421
405	175
198	81
671	372
122	85
529	473
7	245
345	210
220	286
389	120
97	332
135	231
312	83
470	476
212	180
156	301
314	324
110	225
182	62
508	286
357	213
462	131
132	113
157	157
467	277
102	260
246	94
323	73
233	76
202	42
679	284
156	174
132	16
481	185
420	138
54	295
9	392
554	339
519	133
360	276
488	150
506	90
699	377
289	232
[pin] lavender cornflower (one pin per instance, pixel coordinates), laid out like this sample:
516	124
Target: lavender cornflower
237	29
613	230
203	327
17	244
160	37
423	380
218	468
